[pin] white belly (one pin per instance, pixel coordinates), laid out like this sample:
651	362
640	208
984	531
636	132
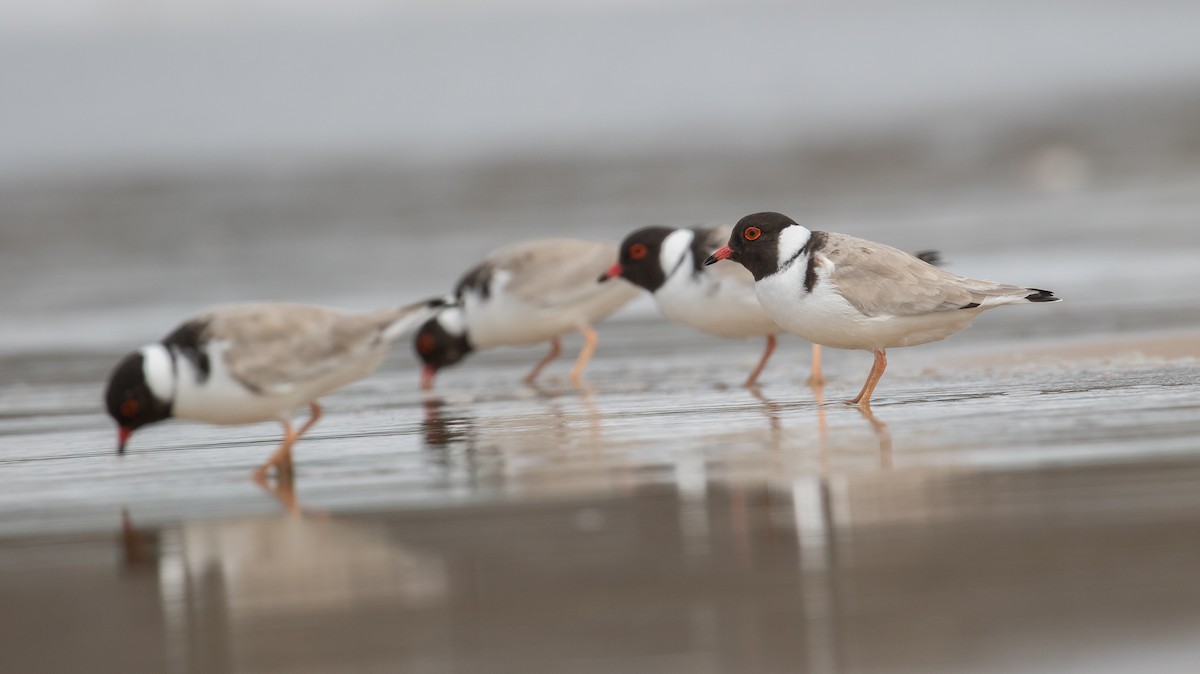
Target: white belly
824	317
725	310
505	320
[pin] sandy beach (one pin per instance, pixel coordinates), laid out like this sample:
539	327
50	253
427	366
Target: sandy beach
1035	503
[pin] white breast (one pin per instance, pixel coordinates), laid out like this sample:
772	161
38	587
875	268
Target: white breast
717	305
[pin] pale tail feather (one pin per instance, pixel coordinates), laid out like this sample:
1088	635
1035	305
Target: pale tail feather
406	318
1018	296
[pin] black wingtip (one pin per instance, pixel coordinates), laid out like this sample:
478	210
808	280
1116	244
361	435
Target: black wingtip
931	256
432	303
1039	295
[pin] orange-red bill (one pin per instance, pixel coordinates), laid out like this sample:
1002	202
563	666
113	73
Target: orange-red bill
123	434
723	253
427	375
613	272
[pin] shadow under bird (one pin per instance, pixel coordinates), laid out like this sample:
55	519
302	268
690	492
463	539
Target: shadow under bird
246	363
522	294
669	262
850	293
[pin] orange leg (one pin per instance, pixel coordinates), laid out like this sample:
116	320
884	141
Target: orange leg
863	400
585	354
762	362
314	415
555	349
284	491
817	378
282	458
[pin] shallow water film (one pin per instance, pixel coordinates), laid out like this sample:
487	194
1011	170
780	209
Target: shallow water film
988	516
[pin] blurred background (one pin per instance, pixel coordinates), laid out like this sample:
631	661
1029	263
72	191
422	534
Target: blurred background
1032	507
157	157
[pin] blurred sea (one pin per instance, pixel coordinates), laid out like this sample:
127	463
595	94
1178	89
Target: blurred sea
150	168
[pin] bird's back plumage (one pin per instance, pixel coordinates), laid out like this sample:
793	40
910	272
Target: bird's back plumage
532	291
276	347
879	280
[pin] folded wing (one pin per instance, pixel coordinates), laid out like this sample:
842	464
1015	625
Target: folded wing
879	280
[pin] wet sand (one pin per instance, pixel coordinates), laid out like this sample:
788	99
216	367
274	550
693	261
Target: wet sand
994	516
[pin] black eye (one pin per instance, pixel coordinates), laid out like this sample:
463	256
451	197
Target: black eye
752	233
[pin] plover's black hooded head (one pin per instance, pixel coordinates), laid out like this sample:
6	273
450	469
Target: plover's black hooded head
441	341
754	243
640	260
140	391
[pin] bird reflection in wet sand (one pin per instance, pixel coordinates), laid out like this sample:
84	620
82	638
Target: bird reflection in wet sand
530	449
223	584
282	490
441	430
445	435
139	548
880	428
772	410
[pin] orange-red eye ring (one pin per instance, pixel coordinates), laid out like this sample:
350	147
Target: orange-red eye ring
752	233
425	343
129	408
638	251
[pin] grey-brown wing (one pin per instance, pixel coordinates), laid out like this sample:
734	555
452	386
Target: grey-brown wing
275	346
880	280
554	272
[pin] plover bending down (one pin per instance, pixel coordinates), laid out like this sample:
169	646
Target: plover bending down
523	294
245	363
